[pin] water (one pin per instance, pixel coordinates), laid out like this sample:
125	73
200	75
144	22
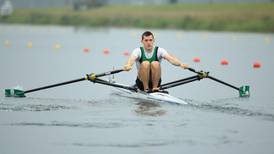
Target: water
90	118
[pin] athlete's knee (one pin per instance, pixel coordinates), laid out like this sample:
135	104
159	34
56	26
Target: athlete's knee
145	64
155	65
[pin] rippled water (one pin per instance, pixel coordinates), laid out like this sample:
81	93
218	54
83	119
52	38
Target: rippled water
90	118
127	126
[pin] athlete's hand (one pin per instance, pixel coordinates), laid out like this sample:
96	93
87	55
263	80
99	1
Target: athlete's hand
127	67
184	66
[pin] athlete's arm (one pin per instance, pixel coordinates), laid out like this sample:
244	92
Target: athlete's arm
174	61
130	62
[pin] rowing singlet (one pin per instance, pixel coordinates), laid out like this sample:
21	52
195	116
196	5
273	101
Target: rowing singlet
153	58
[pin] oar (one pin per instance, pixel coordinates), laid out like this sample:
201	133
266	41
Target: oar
243	90
20	93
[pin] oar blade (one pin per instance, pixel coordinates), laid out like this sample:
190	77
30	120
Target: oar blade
244	91
14	93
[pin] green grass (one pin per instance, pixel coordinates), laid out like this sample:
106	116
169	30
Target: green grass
256	17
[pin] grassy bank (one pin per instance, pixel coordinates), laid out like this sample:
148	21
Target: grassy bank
215	17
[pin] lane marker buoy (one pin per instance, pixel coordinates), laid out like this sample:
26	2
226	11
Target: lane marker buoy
224	62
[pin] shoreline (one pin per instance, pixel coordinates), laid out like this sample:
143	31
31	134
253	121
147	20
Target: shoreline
256	17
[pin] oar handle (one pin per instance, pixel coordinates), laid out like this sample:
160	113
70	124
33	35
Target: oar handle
192	70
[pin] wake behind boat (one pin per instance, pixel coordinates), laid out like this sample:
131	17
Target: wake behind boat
133	91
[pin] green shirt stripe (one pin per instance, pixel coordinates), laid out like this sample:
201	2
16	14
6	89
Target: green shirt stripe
153	57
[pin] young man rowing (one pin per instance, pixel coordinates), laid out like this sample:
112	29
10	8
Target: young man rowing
148	59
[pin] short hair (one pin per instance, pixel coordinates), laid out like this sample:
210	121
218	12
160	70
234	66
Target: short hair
147	33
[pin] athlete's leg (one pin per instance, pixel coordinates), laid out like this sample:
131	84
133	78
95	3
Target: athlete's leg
143	73
155	73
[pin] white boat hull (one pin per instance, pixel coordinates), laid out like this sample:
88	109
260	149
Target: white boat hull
156	96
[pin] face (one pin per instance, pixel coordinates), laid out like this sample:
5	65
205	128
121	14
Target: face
148	42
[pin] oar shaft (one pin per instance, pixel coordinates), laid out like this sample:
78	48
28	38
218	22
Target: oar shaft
73	81
227	84
215	79
55	85
109	73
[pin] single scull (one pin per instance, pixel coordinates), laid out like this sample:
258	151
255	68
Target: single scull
133	91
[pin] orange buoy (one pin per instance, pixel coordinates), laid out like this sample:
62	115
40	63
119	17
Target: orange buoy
126	53
106	51
224	62
86	50
197	60
257	65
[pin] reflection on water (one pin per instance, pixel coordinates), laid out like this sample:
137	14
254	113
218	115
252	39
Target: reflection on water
148	108
230	106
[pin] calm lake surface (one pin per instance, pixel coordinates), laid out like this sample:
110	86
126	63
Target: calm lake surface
89	118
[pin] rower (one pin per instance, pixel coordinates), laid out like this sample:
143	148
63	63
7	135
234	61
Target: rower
148	59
